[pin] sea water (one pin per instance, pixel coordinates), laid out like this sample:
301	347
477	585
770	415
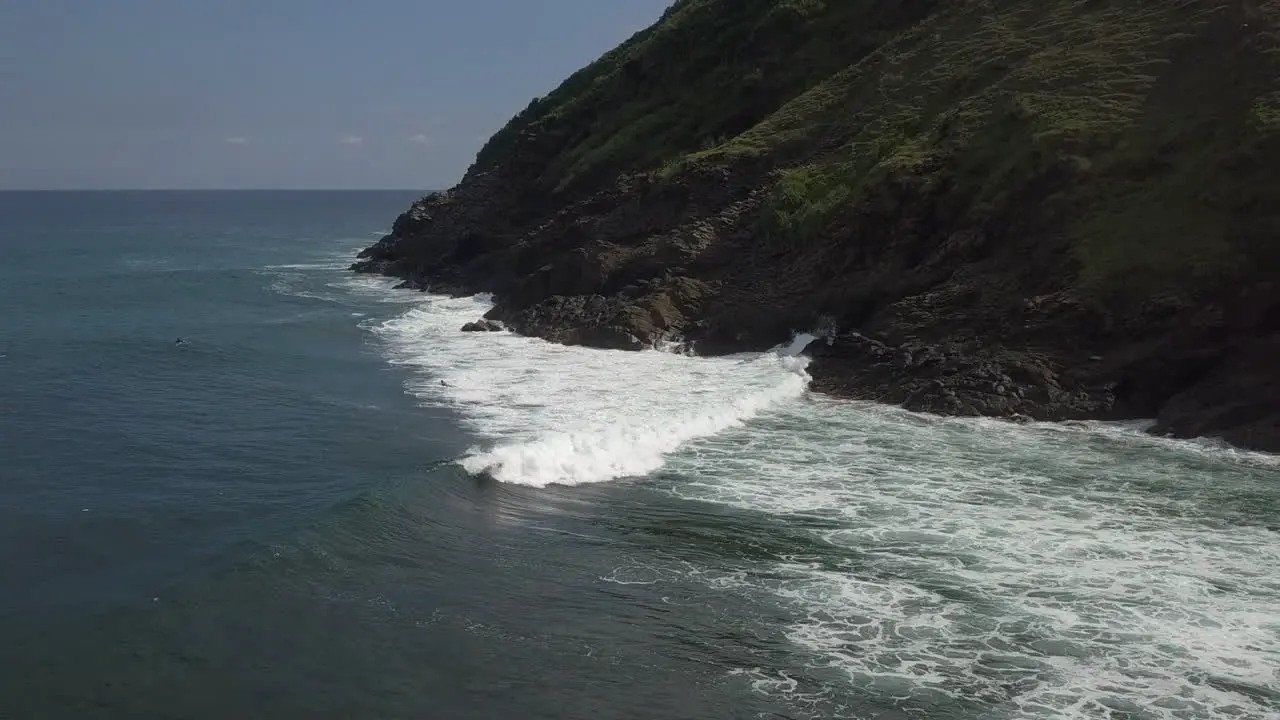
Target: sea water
328	501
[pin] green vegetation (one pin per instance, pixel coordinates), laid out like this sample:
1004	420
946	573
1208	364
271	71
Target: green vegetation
1145	133
708	71
804	203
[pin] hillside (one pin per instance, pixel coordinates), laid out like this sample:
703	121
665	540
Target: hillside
1023	208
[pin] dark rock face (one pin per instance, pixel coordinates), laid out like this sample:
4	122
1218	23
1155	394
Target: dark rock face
951	379
1237	398
957	277
482	325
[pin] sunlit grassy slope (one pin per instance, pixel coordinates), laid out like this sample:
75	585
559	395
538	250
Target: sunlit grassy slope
1147	132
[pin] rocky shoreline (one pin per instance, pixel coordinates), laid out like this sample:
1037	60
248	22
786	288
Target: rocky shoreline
1054	358
950	276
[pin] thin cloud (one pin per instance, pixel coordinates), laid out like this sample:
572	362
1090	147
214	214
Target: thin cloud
419	139
351	140
237	140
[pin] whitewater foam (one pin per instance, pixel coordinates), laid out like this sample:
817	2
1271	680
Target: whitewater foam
327	279
571	415
1042	571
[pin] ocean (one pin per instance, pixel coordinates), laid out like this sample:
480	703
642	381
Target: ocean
238	481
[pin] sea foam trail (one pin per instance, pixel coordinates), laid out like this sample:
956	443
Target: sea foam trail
558	415
1038	571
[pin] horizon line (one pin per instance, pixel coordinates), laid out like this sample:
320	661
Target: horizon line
180	189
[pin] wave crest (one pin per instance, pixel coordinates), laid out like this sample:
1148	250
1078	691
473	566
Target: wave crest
555	415
628	448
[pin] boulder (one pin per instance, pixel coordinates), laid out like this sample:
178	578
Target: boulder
482	325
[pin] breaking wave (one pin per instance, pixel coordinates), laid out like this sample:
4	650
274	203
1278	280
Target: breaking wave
556	415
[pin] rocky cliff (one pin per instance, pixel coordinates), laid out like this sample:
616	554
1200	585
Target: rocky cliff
1024	208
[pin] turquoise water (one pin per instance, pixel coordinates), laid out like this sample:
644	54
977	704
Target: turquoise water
275	517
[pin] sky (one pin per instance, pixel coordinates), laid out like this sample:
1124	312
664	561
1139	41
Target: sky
246	94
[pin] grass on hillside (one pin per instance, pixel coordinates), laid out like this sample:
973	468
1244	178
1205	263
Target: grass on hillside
1149	127
709	70
1125	97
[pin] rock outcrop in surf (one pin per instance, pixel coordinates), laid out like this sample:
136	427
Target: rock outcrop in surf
1048	210
482	325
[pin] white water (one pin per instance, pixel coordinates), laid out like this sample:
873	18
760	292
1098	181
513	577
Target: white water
1048	571
569	416
1029	571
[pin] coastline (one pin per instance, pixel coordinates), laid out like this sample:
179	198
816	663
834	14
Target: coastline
1055	369
969	246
